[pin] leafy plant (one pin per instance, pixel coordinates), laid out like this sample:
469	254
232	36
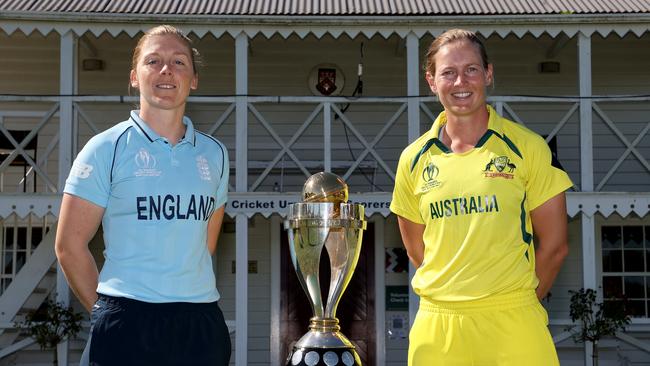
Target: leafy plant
595	319
52	324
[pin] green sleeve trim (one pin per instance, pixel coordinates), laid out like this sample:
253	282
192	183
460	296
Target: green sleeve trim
426	147
525	235
505	139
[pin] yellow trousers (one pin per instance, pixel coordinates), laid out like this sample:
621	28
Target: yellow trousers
502	330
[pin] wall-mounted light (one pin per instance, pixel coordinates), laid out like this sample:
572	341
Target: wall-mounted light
92	64
549	67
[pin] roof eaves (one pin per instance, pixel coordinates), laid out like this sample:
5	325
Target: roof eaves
335	25
330	19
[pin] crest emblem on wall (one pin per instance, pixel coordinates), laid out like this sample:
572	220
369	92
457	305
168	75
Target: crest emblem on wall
326	81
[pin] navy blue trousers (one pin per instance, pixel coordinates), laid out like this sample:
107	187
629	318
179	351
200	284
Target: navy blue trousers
130	332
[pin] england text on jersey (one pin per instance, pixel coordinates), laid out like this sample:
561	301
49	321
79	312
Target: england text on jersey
170	207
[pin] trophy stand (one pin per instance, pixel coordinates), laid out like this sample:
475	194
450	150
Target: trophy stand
324	219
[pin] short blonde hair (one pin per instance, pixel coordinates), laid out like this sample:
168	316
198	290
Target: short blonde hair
164	30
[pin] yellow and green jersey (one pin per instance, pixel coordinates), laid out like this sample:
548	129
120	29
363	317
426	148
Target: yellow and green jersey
476	207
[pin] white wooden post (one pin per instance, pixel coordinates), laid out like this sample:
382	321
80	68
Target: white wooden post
276	232
589	278
327	136
241	221
413	113
413	85
67	86
380	292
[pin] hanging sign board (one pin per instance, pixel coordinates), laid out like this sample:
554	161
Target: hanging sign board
267	204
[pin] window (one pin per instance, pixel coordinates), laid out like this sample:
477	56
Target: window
18	244
626	267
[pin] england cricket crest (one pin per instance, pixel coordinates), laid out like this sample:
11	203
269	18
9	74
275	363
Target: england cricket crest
326	81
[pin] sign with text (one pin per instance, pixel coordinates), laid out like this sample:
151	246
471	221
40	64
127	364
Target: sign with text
267	204
397	298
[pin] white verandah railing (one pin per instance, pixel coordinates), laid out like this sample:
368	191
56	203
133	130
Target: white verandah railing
275	133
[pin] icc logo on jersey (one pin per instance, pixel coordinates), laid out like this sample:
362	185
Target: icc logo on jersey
146	164
429	175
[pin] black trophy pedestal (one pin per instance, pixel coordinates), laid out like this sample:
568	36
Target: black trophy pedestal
323	357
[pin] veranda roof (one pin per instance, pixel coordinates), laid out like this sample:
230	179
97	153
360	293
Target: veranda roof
333	17
331	7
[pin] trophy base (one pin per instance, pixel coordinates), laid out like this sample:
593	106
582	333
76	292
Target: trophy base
313	356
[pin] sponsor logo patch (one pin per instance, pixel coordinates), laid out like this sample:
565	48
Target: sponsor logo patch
81	170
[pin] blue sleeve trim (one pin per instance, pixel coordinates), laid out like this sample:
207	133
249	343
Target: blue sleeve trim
141	129
117	141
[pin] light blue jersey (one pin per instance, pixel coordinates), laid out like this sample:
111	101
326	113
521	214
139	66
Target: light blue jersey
158	199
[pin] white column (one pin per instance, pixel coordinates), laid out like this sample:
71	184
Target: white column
589	277
380	292
586	146
67	86
276	232
413	85
241	221
327	136
413	90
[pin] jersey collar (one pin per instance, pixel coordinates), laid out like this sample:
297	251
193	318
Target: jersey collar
495	126
143	128
494	122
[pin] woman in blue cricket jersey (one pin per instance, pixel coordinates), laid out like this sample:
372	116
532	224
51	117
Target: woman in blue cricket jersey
159	188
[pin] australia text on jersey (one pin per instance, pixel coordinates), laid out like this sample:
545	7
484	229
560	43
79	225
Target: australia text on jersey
463	206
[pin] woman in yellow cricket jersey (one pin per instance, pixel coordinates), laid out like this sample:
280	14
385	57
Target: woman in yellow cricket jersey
469	194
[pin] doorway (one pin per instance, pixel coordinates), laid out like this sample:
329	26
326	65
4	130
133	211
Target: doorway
356	311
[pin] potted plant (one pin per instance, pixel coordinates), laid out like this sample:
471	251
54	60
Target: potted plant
51	324
595	319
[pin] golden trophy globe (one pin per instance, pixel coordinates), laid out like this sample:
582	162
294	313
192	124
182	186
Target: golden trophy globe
324	219
325	187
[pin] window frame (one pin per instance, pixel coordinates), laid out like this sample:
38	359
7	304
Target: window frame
615	220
